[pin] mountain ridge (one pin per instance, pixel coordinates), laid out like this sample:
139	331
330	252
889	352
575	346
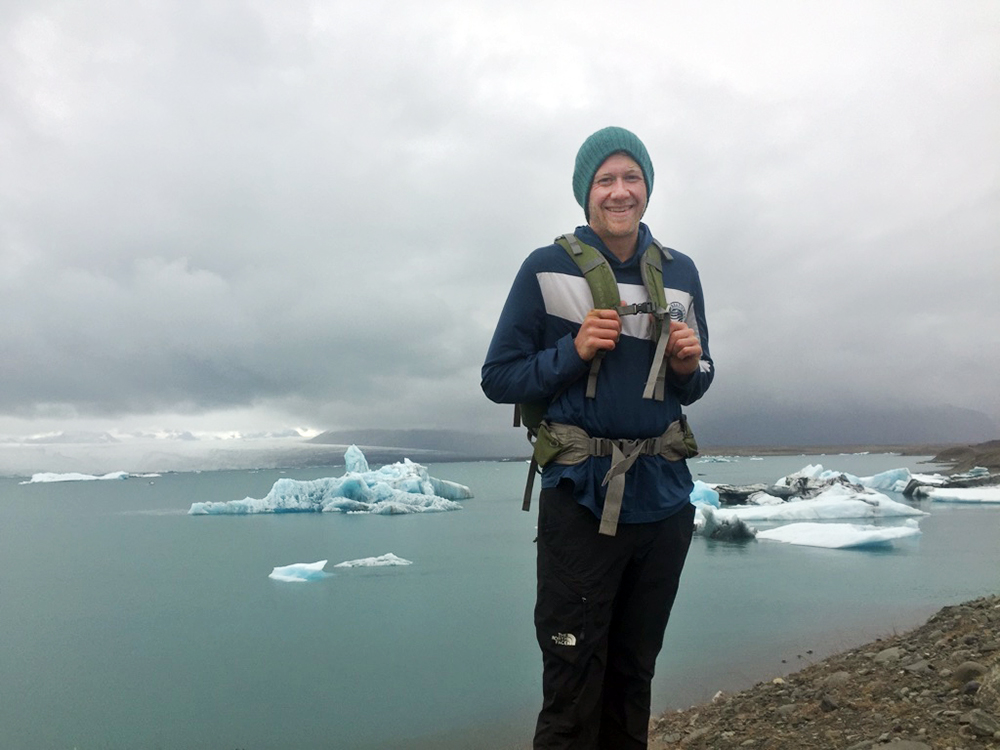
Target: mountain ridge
907	430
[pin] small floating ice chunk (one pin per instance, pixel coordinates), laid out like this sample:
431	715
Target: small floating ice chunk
703	493
74	477
374	562
300	572
708	524
987	494
450	490
840	535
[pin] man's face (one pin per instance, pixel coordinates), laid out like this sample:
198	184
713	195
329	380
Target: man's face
617	197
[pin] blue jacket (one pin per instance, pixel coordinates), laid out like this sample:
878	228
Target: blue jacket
532	357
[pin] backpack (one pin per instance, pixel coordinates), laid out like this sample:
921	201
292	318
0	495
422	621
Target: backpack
604	289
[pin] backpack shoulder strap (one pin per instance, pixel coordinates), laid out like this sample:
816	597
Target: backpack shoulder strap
652	279
595	269
603	288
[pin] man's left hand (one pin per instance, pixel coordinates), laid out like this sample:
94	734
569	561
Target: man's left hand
683	349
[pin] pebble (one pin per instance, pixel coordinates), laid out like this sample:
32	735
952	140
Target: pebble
967	671
887	655
837	679
982	723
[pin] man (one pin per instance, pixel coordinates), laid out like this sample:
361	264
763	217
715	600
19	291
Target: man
615	520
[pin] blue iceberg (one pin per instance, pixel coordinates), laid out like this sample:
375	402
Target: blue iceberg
394	489
703	493
300	572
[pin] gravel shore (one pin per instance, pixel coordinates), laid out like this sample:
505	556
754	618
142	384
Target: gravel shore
936	687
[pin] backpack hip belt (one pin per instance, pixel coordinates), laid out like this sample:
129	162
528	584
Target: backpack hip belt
568	445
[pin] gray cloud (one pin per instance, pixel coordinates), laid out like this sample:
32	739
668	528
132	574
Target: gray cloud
313	213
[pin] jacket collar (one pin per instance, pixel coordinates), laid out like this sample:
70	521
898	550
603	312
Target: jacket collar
589	236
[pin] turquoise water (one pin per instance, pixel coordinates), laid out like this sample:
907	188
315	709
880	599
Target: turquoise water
127	623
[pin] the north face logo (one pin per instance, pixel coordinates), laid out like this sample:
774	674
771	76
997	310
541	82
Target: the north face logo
564	639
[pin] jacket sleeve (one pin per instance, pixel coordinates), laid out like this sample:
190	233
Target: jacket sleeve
693	388
520	365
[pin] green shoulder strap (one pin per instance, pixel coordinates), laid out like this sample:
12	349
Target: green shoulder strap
652	278
603	287
596	270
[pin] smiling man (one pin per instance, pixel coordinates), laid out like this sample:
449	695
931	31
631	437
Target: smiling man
604	335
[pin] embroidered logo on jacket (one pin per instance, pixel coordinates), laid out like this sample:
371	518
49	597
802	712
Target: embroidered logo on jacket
677	311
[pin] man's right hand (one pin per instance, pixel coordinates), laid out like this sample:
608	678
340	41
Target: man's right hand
599	332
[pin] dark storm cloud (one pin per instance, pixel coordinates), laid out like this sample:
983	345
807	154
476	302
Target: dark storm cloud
316	212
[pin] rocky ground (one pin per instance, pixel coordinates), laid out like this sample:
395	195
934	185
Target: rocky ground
934	688
960	457
965	457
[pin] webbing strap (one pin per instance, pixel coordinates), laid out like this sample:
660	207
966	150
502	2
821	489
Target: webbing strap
595	367
652	278
574	244
614	480
530	484
661	380
658	370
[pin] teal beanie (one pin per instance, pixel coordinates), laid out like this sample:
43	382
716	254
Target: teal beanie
599	147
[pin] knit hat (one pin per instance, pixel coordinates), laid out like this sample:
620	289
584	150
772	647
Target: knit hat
599	147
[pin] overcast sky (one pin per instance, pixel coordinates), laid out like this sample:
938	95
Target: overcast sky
251	215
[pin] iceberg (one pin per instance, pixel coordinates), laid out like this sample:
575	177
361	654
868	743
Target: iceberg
970	483
764	498
841	535
355	461
988	494
935	479
300	572
811	471
835	502
893	480
704	493
709	525
394	489
74	477
381	561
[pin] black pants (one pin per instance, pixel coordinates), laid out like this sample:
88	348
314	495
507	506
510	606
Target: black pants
602	608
